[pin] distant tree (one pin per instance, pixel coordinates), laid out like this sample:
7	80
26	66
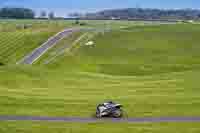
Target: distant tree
75	15
77	21
43	14
51	15
17	13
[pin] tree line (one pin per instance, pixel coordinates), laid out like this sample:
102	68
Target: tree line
17	13
140	13
129	13
23	13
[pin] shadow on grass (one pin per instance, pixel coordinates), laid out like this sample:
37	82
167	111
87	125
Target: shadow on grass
2	64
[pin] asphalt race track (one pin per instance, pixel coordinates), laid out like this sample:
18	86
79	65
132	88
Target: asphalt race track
95	120
38	52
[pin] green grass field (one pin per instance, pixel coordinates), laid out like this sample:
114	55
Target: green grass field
152	70
41	127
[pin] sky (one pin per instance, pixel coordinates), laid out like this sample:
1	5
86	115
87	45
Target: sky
63	7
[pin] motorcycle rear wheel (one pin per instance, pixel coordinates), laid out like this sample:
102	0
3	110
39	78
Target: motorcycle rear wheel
118	113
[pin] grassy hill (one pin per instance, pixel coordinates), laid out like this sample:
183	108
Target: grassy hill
152	70
20	37
140	50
